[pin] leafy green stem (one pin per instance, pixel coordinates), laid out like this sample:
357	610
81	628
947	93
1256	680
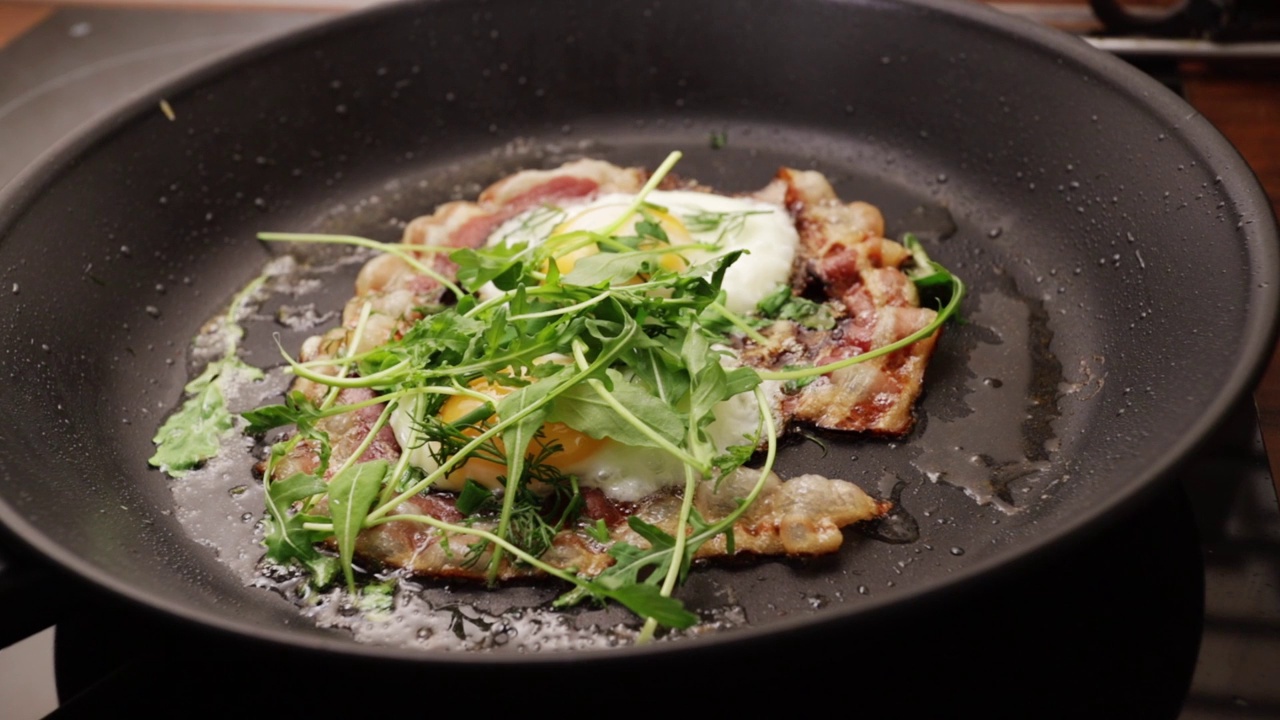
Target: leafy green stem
381	422
397	249
603	360
654	180
566	310
677	568
380	378
622	411
957	294
737	321
365	310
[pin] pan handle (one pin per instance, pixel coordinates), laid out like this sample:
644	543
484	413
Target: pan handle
32	595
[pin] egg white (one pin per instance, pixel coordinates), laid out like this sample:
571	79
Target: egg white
768	235
766	232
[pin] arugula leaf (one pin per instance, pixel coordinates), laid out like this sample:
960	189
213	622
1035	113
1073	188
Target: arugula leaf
499	264
649	227
658	538
608	268
297	410
711	384
582	409
923	272
351	493
298	486
782	304
649	602
733	457
660	369
286	538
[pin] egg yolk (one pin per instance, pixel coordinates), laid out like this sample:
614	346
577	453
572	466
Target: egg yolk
602	216
575	446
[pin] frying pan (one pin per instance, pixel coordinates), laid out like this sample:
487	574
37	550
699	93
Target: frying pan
1122	259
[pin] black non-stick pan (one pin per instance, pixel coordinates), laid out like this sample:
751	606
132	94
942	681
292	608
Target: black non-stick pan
1121	257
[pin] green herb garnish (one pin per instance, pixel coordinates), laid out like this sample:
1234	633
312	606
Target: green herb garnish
637	350
781	304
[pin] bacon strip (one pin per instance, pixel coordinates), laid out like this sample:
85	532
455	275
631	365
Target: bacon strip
843	248
801	516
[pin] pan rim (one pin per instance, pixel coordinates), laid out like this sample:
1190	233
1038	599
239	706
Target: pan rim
1195	132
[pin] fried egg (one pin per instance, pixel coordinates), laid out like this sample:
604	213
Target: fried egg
624	473
765	231
767	234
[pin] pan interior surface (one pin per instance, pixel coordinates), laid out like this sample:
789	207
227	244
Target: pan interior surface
1120	259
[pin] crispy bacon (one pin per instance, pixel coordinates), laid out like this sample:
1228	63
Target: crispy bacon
842	250
801	516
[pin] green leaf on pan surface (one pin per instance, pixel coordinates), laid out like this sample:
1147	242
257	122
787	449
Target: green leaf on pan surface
323	568
581	408
351	495
377	596
194	433
648	601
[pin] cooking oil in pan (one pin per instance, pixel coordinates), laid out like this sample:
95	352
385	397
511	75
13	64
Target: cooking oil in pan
1012	387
